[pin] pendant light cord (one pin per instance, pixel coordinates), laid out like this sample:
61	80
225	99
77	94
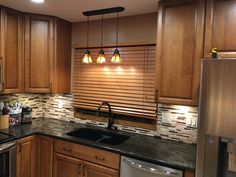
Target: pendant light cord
102	33
87	31
117	26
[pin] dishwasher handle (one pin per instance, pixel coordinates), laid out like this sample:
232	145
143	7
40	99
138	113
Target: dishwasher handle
150	170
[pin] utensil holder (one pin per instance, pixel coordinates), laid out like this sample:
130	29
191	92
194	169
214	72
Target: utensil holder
4	121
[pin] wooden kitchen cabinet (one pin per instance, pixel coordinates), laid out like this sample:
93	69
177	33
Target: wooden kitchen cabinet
93	170
44	156
11	50
25	157
39	53
220	28
65	166
83	161
47	54
179	50
189	173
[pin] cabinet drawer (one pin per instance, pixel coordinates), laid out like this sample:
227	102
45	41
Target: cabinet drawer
94	155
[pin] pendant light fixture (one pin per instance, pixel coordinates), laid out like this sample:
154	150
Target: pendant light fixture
101	57
87	57
116	58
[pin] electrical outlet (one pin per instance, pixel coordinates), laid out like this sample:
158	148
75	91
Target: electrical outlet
189	121
60	104
166	118
194	122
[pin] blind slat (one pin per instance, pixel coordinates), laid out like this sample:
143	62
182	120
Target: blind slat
129	87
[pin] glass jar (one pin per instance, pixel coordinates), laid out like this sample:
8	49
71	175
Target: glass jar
15	119
26	115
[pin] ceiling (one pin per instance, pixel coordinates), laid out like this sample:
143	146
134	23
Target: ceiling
72	9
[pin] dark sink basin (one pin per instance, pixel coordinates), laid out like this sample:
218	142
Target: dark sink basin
99	136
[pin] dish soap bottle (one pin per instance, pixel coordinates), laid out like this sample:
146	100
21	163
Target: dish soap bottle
214	53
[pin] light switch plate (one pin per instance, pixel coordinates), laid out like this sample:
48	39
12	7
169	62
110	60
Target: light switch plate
166	118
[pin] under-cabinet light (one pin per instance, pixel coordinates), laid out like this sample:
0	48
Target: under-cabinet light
38	1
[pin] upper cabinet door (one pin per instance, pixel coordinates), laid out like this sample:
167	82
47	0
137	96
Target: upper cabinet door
39	52
220	28
179	50
12	50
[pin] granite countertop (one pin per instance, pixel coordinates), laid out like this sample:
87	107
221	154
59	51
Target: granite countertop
164	152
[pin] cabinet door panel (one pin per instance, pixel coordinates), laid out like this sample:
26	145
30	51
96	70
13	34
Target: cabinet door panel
65	166
178	47
44	160
38	54
220	28
93	170
12	54
179	50
26	157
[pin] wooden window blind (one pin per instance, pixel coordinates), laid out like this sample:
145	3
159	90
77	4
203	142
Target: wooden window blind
128	87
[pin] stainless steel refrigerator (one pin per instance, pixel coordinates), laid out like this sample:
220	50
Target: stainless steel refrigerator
216	154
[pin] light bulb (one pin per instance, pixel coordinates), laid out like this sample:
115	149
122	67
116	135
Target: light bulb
38	1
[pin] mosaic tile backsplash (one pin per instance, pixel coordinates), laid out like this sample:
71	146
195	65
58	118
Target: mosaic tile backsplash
178	123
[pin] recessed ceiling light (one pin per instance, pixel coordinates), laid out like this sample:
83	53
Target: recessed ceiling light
38	1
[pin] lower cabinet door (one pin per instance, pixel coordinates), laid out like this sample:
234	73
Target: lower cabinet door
25	157
44	156
65	166
93	170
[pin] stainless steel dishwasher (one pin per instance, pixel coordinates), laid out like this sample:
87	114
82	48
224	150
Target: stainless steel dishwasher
136	168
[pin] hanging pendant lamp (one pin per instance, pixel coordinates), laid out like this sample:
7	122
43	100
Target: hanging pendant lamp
101	57
116	58
87	57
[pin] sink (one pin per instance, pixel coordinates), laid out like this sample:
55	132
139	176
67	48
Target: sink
100	136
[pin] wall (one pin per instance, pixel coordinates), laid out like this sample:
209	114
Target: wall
171	122
138	29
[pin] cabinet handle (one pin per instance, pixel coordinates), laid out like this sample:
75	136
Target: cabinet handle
156	95
100	158
3	86
19	148
66	149
50	87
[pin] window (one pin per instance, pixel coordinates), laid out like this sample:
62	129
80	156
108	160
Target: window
129	87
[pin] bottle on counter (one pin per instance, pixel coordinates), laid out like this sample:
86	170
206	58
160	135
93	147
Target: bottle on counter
4	120
214	53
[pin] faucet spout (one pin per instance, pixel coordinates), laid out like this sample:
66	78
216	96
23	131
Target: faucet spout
100	106
111	118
